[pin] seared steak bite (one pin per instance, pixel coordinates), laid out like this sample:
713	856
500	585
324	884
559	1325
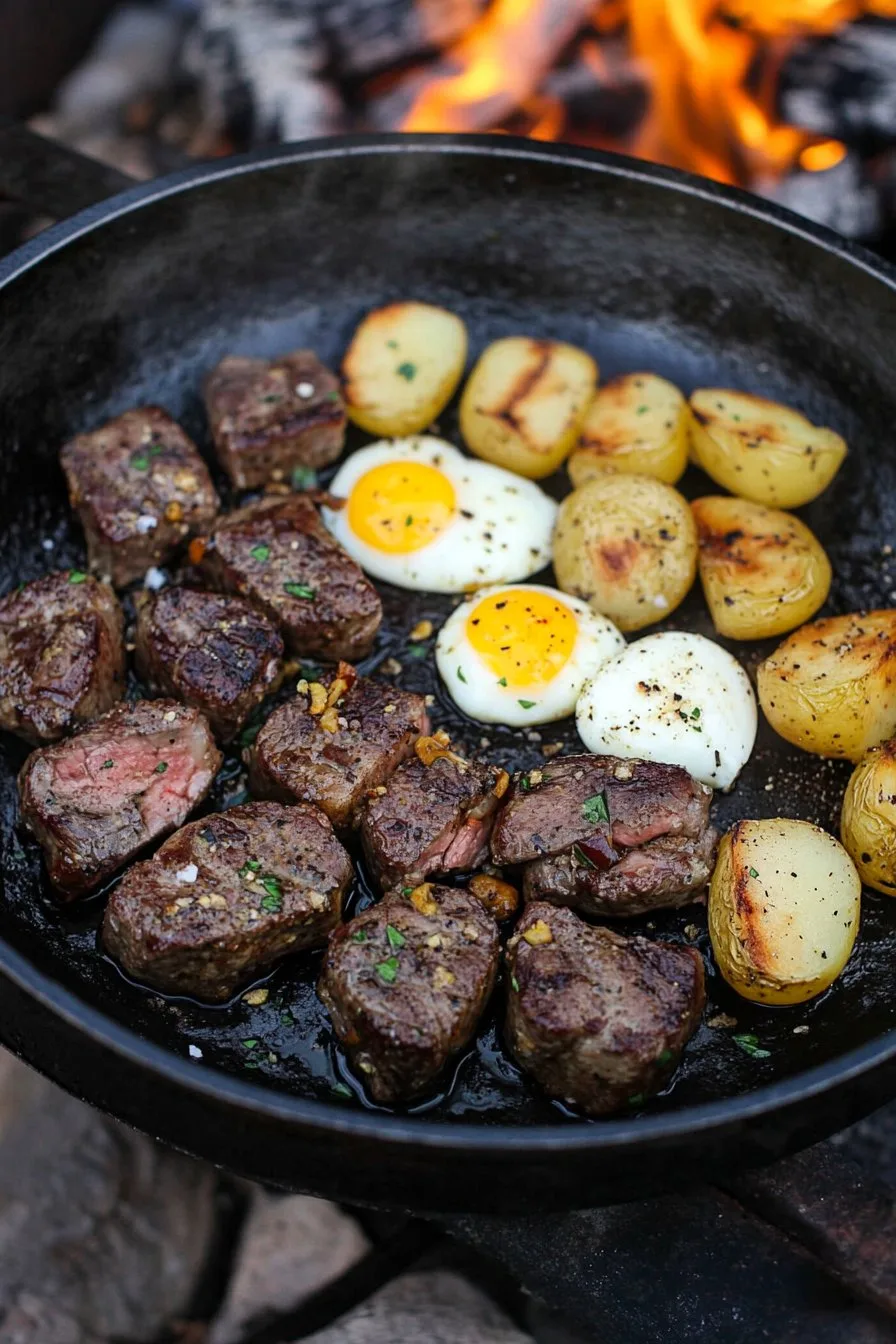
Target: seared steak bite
608	836
215	652
599	1020
94	800
433	816
140	488
61	655
405	984
334	741
270	416
226	896
278	553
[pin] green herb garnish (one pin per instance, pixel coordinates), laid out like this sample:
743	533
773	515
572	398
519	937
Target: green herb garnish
250	868
418	650
460	676
750	1046
107	765
407	371
77	576
261	552
409	520
392	345
332	396
526	704
396	939
161	768
636	1099
695	713
341	1090
249	733
140	462
406	891
753	872
304	478
359	936
525	783
388	970
579	854
642	410
273	901
514	984
595	809
502	681
249	1044
299	590
665	1056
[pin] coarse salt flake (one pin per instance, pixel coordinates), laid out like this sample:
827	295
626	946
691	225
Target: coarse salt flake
304	390
48	543
146	522
188	874
194	1052
154	579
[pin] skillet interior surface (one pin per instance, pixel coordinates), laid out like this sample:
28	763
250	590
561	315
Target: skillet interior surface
674	281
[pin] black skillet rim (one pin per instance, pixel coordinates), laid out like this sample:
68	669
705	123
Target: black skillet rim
217	1085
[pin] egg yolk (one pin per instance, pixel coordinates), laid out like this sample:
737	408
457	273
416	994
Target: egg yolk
524	637
401	506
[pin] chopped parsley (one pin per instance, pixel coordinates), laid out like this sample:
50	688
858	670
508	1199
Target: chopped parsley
525	783
408	522
407	371
392	345
514	984
299	590
107	765
595	809
249	1044
750	1046
695	713
396	939
359	936
161	768
272	904
341	1090
636	1099
753	872
388	970
261	552
418	650
502	681
526	704
331	396
140	462
273	901
665	1056
305	478
642	410
272	397
77	576
155	449
406	891
460	676
250	866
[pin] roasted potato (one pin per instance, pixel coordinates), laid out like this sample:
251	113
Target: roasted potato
868	818
783	910
628	546
760	449
524	403
828	687
402	367
763	572
638	424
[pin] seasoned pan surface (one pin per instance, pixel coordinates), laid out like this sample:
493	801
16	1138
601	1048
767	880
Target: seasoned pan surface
638	267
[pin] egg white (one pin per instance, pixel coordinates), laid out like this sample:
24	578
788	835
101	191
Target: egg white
505	535
673	697
472	684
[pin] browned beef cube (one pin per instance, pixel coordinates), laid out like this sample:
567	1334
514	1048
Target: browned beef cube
225	897
61	655
278	553
405	984
607	836
333	757
599	1020
139	487
430	818
94	800
270	416
215	652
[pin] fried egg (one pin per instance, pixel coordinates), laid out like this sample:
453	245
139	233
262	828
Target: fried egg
673	697
421	515
521	654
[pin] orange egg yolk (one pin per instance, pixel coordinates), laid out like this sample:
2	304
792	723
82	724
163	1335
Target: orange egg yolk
524	637
401	506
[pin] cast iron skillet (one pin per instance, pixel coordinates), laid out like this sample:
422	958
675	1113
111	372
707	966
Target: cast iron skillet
130	302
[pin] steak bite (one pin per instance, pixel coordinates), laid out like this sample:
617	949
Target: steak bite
607	836
598	1019
433	816
405	984
225	897
270	416
61	655
217	653
278	553
94	800
333	742
140	488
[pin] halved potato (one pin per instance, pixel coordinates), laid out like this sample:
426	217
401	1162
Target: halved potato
760	449
628	546
402	367
868	818
763	572
829	687
783	910
524	403
637	423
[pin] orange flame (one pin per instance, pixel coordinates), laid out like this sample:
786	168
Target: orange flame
711	67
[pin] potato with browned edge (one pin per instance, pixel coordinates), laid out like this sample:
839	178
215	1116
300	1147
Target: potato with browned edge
524	403
829	687
763	571
868	818
784	906
762	450
628	546
637	423
402	367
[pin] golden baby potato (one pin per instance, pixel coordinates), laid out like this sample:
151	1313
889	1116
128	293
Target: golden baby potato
402	367
524	403
762	450
638	424
829	687
628	546
784	904
763	571
868	818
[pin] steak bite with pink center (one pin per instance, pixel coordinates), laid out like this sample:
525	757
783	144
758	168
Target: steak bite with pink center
270	416
278	553
225	897
140	489
334	741
61	655
96	799
434	816
217	653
